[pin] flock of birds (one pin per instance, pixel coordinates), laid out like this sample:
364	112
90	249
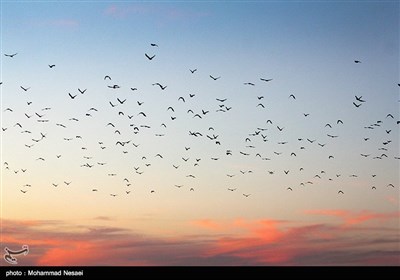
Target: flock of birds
132	123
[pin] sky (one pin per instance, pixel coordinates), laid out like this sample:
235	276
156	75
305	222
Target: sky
261	133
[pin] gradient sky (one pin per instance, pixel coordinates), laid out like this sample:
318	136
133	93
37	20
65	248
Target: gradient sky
307	48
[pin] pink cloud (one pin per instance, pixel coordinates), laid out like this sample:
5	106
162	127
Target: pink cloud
352	218
236	242
208	224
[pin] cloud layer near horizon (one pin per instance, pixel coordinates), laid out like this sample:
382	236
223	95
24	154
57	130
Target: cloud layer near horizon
239	242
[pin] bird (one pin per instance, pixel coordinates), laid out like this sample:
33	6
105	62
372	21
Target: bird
192	71
23	191
249	84
246	195
289	189
357	105
215	78
149	57
357	61
72	96
11	55
265	80
359	98
24	89
114	86
160	85
340	192
121	101
52	65
153	45
292	96
82	91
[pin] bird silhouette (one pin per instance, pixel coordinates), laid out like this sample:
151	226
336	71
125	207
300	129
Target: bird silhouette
160	85
214	78
11	55
149	57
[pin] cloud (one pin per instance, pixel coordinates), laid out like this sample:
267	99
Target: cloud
352	218
208	224
235	242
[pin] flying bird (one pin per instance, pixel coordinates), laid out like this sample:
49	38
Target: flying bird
149	57
11	55
160	85
214	78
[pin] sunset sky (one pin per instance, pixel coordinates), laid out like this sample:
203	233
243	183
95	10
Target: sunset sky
251	138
